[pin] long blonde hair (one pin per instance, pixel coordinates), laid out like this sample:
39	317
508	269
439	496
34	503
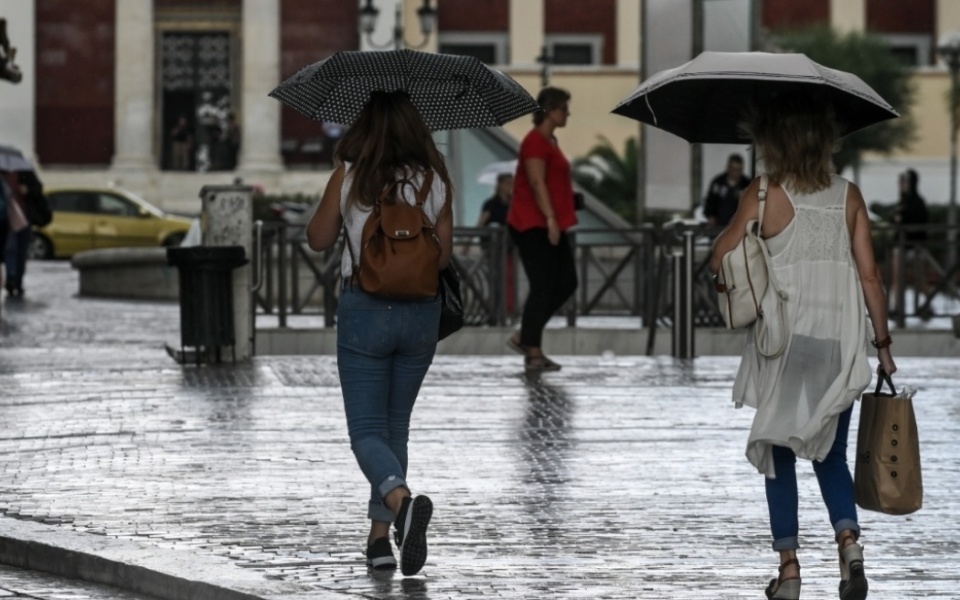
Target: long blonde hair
389	136
795	138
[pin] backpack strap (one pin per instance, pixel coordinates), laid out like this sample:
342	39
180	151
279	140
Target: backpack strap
425	187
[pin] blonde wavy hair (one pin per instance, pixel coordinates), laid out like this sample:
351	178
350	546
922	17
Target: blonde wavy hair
795	138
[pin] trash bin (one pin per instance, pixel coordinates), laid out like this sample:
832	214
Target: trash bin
206	297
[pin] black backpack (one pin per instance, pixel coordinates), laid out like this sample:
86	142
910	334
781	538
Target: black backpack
36	206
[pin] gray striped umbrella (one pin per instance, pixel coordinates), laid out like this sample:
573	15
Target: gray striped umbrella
451	92
12	159
704	100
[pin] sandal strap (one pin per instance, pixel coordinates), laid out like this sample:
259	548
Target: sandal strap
790	562
846	536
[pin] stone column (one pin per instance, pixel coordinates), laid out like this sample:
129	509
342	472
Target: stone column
411	26
948	18
134	86
526	32
260	122
18	101
848	15
628	34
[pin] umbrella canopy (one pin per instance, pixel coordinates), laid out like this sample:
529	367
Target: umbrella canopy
12	159
703	101
451	92
490	173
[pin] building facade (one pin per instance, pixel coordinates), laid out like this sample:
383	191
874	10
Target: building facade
161	96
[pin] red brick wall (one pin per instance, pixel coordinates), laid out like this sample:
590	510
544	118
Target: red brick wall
890	16
577	16
473	15
75	82
311	30
196	4
793	14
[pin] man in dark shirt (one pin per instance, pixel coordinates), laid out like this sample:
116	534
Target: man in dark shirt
494	210
723	196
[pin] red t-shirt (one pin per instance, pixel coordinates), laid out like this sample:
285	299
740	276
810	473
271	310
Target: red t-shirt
524	213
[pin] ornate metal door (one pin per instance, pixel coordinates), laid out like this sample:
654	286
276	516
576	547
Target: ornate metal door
199	128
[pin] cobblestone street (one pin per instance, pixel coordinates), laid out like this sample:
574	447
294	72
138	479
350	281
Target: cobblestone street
619	477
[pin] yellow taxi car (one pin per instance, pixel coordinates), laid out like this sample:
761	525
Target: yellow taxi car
88	218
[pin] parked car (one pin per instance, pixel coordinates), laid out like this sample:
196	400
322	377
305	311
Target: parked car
88	218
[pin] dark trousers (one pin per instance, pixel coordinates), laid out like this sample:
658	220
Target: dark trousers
552	274
17	248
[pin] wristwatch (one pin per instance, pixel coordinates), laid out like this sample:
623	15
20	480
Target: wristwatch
884	343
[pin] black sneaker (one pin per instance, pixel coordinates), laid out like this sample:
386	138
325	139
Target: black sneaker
411	533
380	555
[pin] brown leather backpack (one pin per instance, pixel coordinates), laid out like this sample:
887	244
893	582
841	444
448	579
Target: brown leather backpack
399	247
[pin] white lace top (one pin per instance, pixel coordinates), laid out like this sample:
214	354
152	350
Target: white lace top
356	215
799	395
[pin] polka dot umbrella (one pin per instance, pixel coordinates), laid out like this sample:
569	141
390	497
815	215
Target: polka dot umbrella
451	92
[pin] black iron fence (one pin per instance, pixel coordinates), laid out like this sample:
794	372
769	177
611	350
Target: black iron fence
658	275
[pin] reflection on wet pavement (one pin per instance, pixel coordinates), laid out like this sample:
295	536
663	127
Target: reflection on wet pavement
616	478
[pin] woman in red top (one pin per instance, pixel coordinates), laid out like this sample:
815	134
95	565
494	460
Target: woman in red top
541	211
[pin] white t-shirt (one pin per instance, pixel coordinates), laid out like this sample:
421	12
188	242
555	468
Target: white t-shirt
356	215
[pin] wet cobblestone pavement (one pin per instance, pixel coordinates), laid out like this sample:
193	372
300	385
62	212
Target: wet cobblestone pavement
20	583
619	477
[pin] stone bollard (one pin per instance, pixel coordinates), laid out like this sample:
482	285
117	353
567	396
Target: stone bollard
227	220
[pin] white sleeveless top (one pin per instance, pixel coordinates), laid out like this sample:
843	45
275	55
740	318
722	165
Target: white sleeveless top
800	394
356	215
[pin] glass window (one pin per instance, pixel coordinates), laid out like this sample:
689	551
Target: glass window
486	53
575	48
117	206
573	54
73	202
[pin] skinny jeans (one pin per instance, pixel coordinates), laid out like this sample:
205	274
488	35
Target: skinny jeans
836	487
384	349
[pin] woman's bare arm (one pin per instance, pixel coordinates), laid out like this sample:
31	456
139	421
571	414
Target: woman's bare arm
444	229
728	239
326	222
537	175
858	223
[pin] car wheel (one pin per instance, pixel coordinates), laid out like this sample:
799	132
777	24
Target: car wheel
40	247
173	240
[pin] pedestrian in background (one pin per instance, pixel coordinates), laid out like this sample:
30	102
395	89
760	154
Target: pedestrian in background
541	212
181	144
818	232
29	191
494	210
385	346
723	196
15	220
911	212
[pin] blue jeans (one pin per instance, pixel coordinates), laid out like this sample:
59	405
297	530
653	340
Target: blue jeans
384	348
836	487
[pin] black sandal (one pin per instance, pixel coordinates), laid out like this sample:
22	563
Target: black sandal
539	364
785	589
516	346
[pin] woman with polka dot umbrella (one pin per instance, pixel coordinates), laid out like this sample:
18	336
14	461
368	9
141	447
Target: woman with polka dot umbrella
451	92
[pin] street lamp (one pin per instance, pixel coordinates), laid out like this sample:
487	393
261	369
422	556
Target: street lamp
545	59
949	49
368	23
